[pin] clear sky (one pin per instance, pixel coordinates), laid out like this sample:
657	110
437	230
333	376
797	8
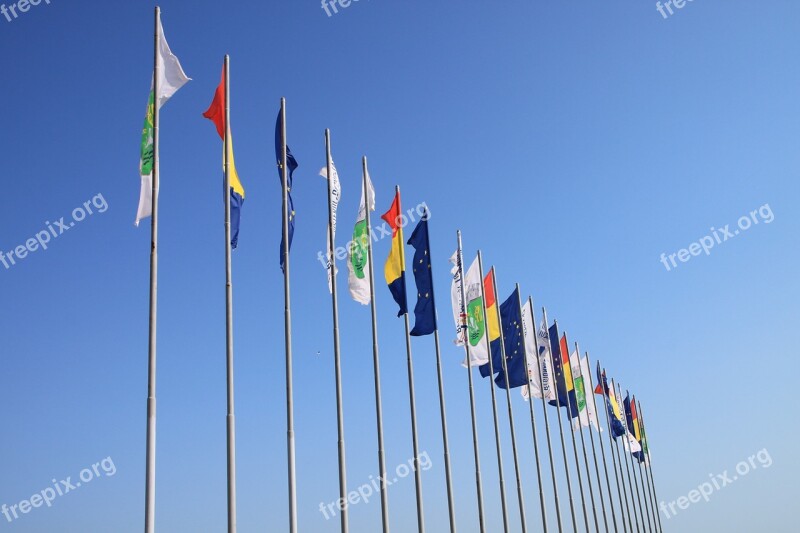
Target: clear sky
573	144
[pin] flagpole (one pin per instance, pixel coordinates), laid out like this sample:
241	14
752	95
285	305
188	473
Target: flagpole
520	497
494	399
561	431
375	357
150	468
606	401
411	395
544	410
583	442
649	470
629	460
644	507
635	521
594	452
647	494
445	444
574	445
288	329
463	310
336	353
229	311
533	418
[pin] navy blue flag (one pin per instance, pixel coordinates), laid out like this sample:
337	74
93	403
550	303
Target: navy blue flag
629	419
566	393
424	311
291	163
602	388
515	349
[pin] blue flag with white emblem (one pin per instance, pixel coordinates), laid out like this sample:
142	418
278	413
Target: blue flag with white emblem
424	311
291	163
515	350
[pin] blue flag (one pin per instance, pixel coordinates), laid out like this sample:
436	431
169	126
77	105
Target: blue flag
565	388
515	350
425	310
617	429
291	163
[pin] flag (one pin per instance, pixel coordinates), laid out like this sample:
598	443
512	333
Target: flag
475	318
459	312
424	311
358	279
216	114
634	446
515	351
591	406
335	196
395	267
617	429
645	447
170	78
536	365
493	327
580	391
565	387
291	163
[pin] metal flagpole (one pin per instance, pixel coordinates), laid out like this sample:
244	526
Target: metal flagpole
336	354
544	410
647	494
533	418
646	474
594	452
412	399
622	507
150	461
621	479
574	445
523	521
624	453
561	431
641	496
583	442
649	470
494	399
229	310
478	482
445	444
375	357
288	330
635	481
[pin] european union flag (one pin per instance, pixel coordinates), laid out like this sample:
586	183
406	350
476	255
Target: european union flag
291	163
424	311
515	350
566	394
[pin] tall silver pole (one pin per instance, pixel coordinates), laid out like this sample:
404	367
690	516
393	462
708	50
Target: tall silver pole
574	445
288	330
229	310
533	418
583	442
494	400
646	475
649	470
150	468
644	508
561	431
625	456
520	497
478	482
443	412
613	460
336	354
594	452
375	358
411	397
647	494
544	410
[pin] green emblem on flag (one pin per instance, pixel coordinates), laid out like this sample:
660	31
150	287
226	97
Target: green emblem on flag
475	324
580	393
146	162
358	248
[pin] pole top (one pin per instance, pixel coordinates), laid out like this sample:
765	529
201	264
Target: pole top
364	159
158	10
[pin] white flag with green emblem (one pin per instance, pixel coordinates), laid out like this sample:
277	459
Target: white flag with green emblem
591	407
580	390
357	260
476	320
170	78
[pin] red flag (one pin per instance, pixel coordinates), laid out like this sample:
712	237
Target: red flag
216	111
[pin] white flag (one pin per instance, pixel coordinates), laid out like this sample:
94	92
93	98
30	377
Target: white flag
476	320
580	390
358	258
591	406
336	193
536	366
459	314
170	78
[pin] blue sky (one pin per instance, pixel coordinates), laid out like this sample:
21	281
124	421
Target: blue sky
572	144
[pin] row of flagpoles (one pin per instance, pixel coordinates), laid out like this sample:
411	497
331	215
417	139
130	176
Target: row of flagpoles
501	339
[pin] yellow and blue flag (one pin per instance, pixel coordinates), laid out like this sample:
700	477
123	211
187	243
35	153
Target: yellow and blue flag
565	386
395	267
425	310
617	429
